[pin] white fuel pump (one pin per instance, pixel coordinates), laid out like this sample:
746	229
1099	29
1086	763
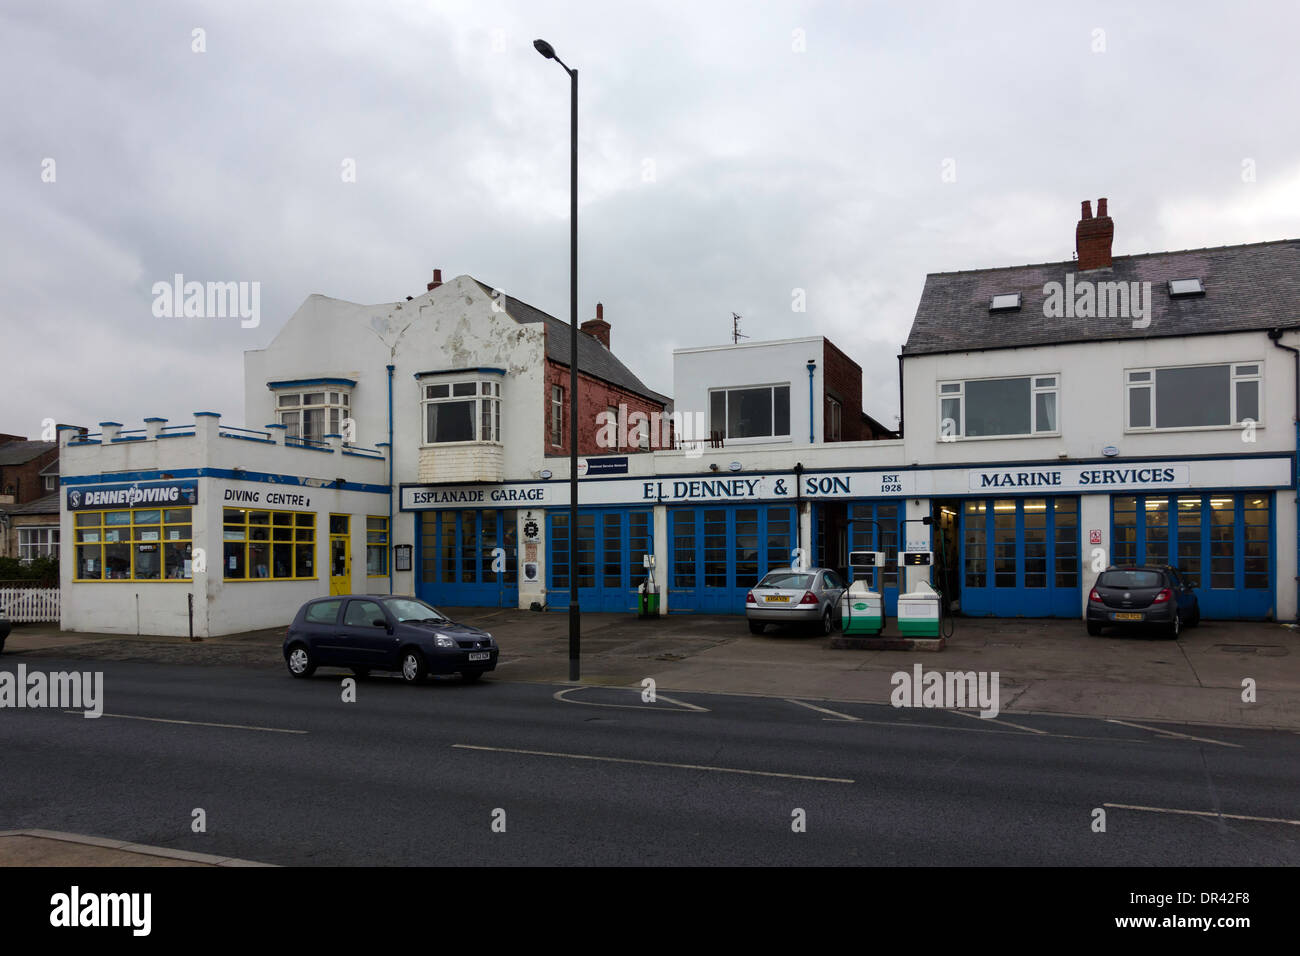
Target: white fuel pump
918	609
862	608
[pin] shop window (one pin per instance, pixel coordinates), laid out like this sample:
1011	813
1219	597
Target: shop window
999	407
1194	396
36	543
462	412
376	546
311	416
762	412
268	545
141	544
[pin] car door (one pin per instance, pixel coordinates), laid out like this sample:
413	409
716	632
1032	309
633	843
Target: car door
363	642
320	628
1185	595
832	589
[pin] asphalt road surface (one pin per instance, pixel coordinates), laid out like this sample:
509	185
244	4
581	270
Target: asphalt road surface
286	772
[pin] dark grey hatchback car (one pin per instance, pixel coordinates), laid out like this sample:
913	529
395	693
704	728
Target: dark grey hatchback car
1137	596
384	632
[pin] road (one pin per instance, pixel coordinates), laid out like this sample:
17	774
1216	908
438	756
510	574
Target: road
286	772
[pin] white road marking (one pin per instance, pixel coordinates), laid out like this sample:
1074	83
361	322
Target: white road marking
560	696
654	763
982	730
834	713
197	723
1172	733
1032	730
1202	813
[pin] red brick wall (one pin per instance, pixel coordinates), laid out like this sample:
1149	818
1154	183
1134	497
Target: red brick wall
594	396
26	478
842	379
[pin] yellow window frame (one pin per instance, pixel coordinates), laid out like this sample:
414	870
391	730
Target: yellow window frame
300	524
82	524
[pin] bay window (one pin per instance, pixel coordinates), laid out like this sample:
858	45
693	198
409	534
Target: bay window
312	415
462	412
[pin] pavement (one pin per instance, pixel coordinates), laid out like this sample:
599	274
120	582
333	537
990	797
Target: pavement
54	848
1044	666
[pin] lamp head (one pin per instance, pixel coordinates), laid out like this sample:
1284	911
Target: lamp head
544	48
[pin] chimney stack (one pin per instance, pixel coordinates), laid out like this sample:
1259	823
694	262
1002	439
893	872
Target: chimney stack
1093	237
437	280
597	328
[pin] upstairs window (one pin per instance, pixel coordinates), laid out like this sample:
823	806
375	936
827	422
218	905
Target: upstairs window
834	419
312	415
998	407
462	412
1193	396
762	412
557	416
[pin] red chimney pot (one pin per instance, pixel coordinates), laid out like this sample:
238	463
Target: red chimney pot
1093	238
437	280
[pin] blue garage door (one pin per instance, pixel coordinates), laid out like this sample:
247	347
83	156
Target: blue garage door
1222	542
877	526
715	555
611	546
1020	557
468	558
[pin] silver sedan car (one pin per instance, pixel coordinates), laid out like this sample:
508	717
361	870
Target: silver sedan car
795	596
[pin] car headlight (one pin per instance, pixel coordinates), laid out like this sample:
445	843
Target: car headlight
442	640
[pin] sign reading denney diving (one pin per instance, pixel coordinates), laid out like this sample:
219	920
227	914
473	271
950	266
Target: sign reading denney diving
162	494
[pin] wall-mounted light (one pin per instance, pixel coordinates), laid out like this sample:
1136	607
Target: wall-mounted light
735	466
545	473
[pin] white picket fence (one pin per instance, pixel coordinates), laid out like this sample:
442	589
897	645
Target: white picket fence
29	605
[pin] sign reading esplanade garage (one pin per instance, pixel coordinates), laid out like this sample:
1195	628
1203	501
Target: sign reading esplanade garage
1081	478
138	494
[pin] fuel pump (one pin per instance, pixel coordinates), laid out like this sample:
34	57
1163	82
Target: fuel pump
918	609
862	607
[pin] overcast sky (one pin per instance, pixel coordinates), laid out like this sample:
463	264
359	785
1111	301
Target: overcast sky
730	153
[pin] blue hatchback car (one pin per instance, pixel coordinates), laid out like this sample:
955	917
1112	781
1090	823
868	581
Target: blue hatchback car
384	632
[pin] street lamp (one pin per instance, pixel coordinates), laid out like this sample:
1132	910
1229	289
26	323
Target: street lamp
575	614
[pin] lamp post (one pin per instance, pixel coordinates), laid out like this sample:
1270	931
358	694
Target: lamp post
575	613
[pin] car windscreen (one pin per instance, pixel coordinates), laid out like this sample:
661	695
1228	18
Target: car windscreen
409	609
1130	579
786	579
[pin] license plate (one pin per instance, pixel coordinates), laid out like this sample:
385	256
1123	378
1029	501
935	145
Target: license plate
480	656
1128	617
777	598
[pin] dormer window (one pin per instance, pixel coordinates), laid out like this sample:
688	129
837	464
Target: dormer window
461	411
1005	302
314	411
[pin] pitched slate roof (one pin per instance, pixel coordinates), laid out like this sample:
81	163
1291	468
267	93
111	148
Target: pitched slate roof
1247	288
20	452
49	505
593	358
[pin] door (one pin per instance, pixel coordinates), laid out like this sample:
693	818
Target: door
1020	557
340	554
363	642
468	558
611	549
321	628
717	554
877	526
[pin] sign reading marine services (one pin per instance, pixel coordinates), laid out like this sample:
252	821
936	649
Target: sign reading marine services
164	494
1081	478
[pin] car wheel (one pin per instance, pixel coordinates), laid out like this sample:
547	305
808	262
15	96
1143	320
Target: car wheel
757	627
1196	618
300	661
828	623
413	666
470	677
1175	627
1094	630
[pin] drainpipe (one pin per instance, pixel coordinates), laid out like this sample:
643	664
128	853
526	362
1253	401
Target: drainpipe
1275	335
900	395
391	451
812	367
